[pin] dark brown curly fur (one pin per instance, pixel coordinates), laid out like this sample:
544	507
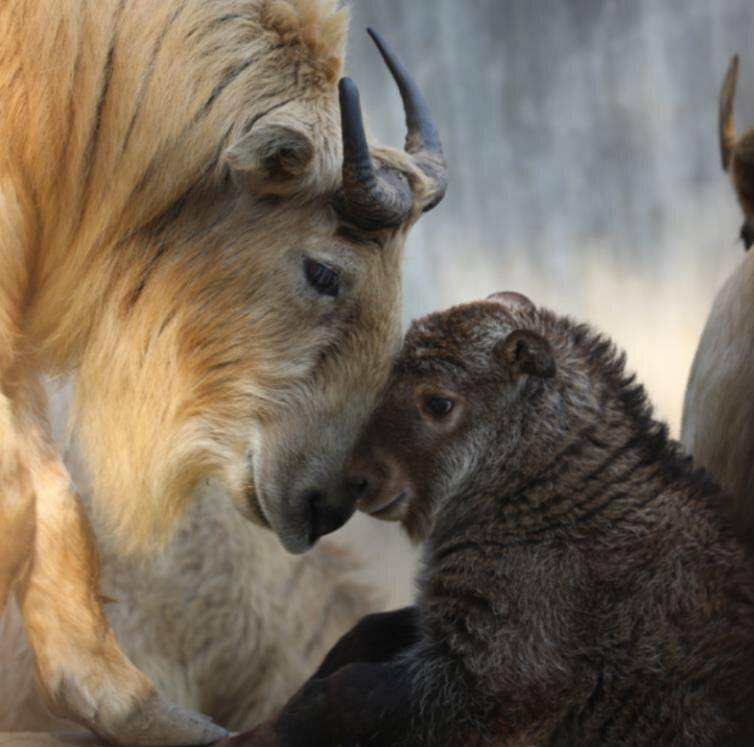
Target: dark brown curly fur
581	583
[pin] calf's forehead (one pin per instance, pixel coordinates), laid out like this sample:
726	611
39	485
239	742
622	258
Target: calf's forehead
460	339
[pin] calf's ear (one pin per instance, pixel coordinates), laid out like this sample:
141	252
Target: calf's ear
512	300
526	352
273	158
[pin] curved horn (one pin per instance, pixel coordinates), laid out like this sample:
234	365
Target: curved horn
422	132
381	198
370	198
727	128
422	138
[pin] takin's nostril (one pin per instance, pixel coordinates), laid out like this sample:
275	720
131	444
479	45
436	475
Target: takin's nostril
323	517
357	487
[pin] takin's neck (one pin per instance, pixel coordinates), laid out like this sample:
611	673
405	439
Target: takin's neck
595	482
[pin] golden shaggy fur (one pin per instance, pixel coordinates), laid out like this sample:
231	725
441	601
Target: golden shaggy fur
165	166
138	157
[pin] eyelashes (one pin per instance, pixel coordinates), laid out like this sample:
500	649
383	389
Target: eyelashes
324	280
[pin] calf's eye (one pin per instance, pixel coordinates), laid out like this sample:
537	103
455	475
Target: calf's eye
324	280
438	406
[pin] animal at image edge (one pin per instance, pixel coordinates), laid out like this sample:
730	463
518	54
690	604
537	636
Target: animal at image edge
718	412
195	230
581	582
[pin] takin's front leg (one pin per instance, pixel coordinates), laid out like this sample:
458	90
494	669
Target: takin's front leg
16	507
81	669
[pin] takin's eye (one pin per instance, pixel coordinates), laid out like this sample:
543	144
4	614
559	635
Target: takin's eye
324	280
438	407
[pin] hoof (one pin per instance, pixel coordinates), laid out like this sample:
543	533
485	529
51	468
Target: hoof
157	723
263	735
133	721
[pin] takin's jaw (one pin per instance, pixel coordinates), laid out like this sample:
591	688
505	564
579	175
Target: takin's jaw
298	452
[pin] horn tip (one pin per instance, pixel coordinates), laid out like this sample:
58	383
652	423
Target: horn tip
727	133
733	66
347	87
378	40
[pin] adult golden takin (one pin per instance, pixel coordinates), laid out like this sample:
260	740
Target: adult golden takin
194	225
718	422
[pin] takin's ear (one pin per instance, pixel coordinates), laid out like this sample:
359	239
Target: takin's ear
272	158
742	171
526	352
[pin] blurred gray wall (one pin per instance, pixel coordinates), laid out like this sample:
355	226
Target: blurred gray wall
581	137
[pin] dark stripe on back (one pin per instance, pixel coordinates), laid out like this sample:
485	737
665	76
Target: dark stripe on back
154	165
515	536
600	469
72	108
439	589
559	464
533	536
230	76
91	145
155	228
149	268
214	25
144	83
250	125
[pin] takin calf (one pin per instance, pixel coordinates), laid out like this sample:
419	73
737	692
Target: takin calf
581	584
